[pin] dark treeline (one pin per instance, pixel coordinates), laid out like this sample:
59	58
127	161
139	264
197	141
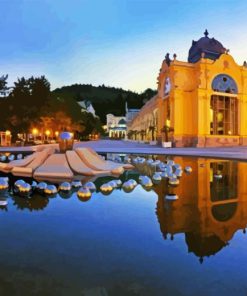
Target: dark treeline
105	99
31	104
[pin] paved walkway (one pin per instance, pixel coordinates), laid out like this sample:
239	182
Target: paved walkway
114	146
239	153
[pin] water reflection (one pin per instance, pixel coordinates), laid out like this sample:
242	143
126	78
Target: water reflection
35	203
3	204
212	202
209	210
84	199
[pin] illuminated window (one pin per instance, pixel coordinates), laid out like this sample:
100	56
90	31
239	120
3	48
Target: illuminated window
223	115
225	188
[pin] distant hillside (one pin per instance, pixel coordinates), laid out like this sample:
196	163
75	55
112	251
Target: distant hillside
104	99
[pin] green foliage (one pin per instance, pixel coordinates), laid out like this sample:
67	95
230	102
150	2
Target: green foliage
31	103
105	100
167	130
3	83
24	104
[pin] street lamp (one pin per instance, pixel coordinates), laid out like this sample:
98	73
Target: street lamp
56	135
35	132
47	132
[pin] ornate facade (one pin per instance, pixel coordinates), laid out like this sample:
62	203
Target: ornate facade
143	126
199	103
116	126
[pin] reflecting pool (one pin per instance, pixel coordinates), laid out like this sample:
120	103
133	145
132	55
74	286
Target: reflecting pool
136	243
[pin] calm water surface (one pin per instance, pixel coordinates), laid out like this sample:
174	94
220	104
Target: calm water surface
134	243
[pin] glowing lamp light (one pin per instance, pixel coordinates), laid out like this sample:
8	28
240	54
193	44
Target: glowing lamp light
35	131
47	132
56	133
7	133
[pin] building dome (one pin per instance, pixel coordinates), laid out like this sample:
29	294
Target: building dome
209	47
122	121
203	246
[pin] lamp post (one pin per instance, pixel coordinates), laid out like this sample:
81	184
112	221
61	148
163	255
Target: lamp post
34	132
56	134
47	133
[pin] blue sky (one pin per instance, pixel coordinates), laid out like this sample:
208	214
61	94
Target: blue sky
113	42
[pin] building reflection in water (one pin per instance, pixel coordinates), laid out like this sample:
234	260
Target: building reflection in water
212	205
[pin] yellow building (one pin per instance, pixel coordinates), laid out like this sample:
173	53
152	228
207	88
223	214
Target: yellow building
202	102
143	126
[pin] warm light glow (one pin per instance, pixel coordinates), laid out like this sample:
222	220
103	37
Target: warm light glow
7	133
71	134
56	133
229	132
211	175
35	131
47	132
220	117
211	115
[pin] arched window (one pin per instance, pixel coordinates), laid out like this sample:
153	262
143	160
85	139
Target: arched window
225	188
224	83
224	108
224	212
167	86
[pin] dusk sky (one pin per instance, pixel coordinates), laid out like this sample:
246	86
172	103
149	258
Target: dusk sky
113	42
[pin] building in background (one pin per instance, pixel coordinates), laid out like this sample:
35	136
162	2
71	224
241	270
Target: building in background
199	103
5	138
143	126
86	106
116	126
130	113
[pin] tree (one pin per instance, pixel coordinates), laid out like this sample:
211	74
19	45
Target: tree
148	94
152	128
130	134
135	134
142	132
3	83
25	103
60	121
91	124
166	130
